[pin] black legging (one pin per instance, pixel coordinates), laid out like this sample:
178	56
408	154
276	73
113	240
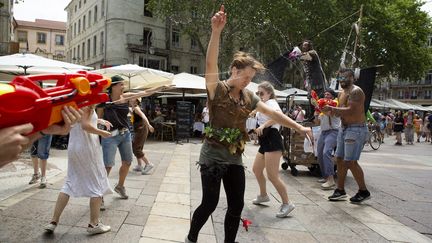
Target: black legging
233	177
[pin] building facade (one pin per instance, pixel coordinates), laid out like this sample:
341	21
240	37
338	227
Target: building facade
418	93
42	37
102	33
7	24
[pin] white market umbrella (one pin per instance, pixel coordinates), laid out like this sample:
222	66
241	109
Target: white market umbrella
399	104
138	77
188	83
34	64
291	91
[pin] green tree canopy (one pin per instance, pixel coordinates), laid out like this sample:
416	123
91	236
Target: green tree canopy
393	32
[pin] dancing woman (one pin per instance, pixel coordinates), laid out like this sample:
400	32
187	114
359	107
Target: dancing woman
221	153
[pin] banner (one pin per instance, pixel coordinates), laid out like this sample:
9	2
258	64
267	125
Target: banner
367	82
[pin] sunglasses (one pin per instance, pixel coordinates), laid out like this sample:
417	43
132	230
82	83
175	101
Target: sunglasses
341	78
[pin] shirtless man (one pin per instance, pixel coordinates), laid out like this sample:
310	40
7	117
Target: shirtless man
351	137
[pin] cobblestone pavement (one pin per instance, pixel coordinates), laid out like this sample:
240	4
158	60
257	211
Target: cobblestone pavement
160	205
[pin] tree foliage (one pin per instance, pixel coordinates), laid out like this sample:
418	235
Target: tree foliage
393	32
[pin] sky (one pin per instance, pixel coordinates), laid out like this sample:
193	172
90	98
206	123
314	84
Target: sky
54	9
30	10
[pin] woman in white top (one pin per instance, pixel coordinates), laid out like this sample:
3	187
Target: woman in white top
86	174
270	153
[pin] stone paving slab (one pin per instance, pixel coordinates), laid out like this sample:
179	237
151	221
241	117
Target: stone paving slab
161	204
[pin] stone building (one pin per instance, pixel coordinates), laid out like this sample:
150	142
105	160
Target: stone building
7	24
42	37
102	33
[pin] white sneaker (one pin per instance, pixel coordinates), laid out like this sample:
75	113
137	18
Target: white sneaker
98	229
138	168
43	182
328	185
147	168
35	178
321	180
261	199
285	209
49	228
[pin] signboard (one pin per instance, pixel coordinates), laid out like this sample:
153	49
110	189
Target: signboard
184	120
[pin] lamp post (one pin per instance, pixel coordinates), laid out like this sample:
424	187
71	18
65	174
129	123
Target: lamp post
150	49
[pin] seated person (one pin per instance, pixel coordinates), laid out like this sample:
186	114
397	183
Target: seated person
158	119
198	126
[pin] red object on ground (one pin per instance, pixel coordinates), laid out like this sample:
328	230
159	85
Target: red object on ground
246	223
24	101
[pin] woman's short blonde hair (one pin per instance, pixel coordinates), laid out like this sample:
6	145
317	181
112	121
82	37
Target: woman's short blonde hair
241	60
268	87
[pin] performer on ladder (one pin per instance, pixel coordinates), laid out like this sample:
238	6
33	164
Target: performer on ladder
314	75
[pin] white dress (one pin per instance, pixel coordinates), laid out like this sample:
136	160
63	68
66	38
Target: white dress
86	175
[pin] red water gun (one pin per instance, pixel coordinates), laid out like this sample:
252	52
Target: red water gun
320	103
24	101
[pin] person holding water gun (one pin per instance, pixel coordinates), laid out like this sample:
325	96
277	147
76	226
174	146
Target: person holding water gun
29	112
326	145
14	139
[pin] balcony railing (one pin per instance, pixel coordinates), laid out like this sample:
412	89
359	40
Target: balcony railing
8	48
139	41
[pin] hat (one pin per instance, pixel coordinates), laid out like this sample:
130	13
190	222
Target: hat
116	79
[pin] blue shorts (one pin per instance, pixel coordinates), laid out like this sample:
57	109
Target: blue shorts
350	141
109	146
41	147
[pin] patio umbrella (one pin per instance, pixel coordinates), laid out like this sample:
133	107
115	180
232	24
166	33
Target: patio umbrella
138	77
400	105
188	83
293	90
24	63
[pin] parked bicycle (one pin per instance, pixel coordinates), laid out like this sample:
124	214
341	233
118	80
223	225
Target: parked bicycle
374	139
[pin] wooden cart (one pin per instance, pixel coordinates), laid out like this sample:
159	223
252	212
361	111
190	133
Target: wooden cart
294	154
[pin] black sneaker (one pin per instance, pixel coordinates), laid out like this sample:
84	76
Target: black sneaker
360	196
337	195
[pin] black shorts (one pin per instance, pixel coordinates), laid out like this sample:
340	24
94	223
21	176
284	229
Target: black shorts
270	141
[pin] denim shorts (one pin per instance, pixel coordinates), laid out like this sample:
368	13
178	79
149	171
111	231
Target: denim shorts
350	142
41	147
109	146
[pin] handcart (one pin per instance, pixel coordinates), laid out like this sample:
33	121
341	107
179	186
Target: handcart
293	142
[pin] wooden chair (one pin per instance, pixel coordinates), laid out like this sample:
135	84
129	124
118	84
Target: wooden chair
168	132
158	131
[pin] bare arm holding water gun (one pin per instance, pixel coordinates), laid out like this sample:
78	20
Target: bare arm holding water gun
14	139
26	108
23	101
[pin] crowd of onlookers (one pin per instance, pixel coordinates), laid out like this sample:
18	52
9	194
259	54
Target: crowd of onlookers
415	126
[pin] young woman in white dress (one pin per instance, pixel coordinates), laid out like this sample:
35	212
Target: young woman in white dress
86	175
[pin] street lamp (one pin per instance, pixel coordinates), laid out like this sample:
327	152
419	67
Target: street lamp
150	49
